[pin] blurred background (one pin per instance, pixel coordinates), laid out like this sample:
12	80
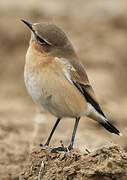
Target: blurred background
98	30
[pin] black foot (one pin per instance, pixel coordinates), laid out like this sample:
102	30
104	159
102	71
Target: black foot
43	145
65	149
59	149
70	147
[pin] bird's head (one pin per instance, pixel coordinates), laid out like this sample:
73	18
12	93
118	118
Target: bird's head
50	39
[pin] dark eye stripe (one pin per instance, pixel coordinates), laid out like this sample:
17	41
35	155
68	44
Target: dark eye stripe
41	41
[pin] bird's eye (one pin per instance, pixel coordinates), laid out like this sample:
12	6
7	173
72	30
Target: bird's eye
41	41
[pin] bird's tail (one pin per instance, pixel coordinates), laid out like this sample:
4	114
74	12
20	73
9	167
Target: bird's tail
107	125
100	117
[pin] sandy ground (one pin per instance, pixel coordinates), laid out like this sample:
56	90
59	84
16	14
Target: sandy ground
98	31
106	163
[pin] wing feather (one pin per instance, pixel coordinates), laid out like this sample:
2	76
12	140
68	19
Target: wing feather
80	80
77	75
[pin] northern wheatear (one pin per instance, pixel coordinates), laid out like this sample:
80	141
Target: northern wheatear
57	81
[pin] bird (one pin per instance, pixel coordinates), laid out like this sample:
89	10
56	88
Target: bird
57	81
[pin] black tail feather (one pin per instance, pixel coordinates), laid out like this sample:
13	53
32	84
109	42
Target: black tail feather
107	125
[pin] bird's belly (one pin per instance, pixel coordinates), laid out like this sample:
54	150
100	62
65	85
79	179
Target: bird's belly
59	98
33	87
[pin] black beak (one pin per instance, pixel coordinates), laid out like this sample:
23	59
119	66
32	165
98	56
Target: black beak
28	24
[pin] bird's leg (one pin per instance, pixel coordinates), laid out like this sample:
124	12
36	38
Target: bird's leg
50	136
73	134
72	139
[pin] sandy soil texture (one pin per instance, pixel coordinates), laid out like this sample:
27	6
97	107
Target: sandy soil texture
106	163
98	30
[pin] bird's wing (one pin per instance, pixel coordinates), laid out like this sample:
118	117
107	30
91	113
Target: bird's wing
78	77
83	85
75	73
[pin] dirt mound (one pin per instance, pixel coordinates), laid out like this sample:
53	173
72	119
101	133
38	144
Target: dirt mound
109	162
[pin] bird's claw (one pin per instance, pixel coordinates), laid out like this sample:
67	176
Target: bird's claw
65	149
59	149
